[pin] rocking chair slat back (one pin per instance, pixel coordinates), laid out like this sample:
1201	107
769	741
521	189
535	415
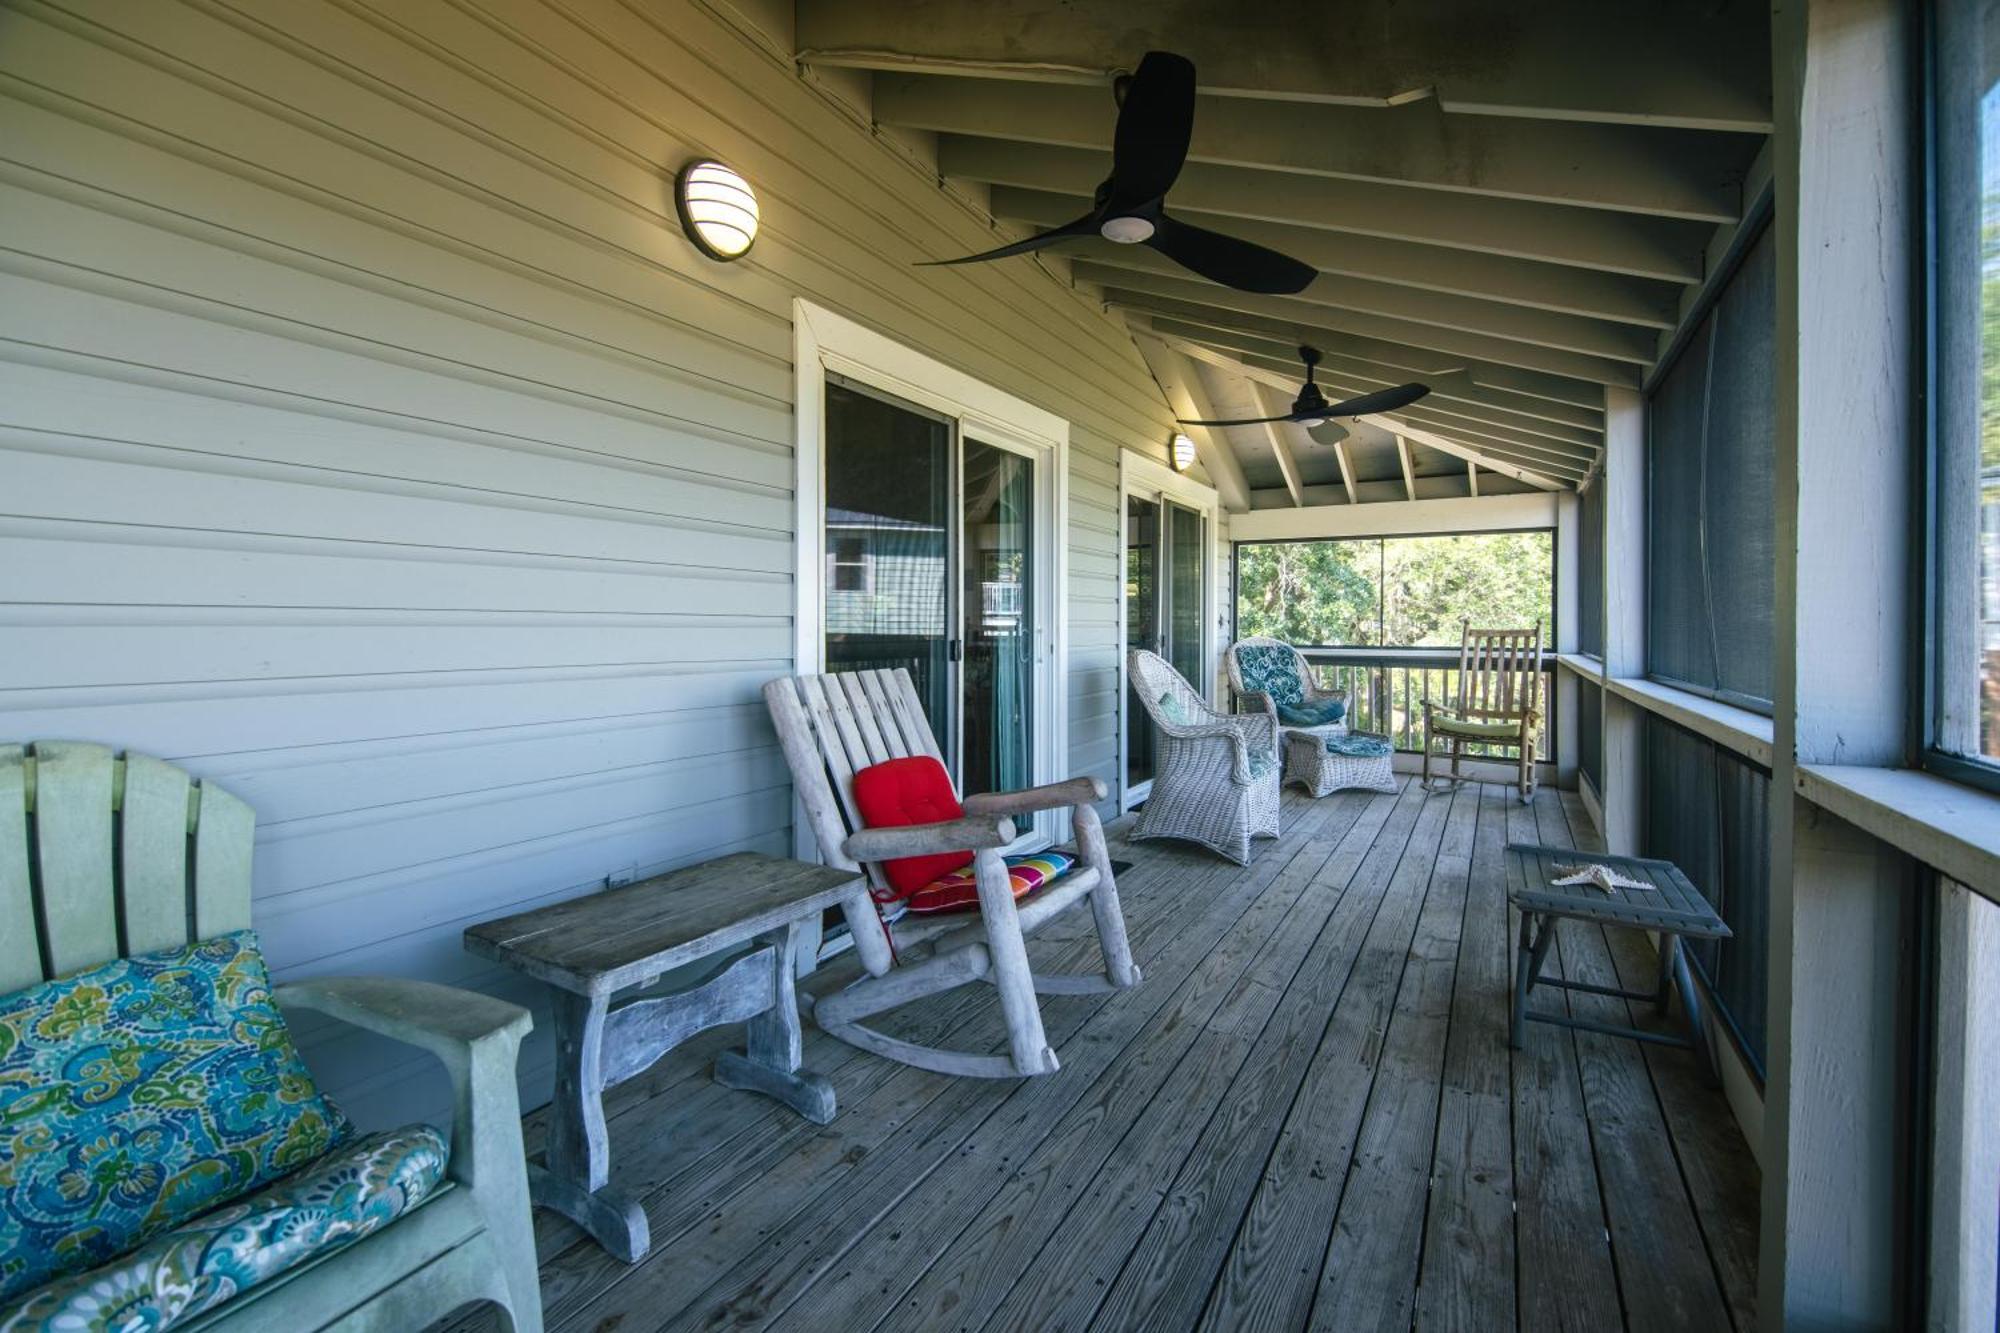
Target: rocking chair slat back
112	856
1499	672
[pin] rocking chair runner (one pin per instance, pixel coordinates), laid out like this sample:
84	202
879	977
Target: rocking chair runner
833	725
1498	702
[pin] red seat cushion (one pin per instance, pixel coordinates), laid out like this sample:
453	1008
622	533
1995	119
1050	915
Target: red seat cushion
902	792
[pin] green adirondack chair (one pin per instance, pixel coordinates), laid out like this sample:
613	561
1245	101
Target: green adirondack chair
112	856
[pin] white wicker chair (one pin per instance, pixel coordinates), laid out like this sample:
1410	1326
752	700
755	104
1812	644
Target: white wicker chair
1256	694
1216	780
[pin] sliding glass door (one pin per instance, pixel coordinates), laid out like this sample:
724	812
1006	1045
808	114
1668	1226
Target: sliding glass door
1166	566
931	544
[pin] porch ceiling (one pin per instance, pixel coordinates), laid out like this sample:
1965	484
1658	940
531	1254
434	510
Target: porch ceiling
1512	203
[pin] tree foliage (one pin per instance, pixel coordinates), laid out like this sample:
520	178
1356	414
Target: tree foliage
1395	591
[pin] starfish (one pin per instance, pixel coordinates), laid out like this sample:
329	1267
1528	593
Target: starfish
1598	876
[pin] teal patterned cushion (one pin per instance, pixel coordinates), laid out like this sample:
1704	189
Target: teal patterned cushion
1261	763
1312	713
1175	710
346	1195
1359	745
140	1094
1270	669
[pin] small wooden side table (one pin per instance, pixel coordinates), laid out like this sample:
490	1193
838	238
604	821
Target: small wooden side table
593	947
1673	907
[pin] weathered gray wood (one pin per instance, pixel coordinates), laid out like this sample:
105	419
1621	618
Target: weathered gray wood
773	1047
1052	796
73	818
608	941
930	1200
1467	1282
638	1032
154	905
20	952
952	835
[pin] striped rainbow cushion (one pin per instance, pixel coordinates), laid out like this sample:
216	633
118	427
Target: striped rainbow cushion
958	890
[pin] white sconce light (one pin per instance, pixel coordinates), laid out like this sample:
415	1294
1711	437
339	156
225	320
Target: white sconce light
1183	453
718	209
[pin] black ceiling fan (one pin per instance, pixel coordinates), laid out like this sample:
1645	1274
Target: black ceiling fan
1155	123
1311	409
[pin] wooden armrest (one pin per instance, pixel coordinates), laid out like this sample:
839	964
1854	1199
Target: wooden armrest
1051	796
442	1019
956	835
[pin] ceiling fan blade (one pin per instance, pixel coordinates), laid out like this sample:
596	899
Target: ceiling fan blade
1155	123
1083	226
1233	421
1240	264
1382	400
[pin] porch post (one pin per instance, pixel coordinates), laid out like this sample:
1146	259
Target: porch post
1564	640
1831	1221
1623	726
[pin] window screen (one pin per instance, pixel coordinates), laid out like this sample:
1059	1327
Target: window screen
1590	570
1707	811
1710	508
1590	733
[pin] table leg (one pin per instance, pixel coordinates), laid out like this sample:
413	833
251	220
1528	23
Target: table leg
1691	1009
579	1150
1518	1029
770	1060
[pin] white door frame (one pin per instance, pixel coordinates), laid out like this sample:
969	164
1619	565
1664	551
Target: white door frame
826	341
1142	476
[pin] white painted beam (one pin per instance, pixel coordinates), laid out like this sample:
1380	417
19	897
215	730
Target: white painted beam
1536	479
1636	169
1297	319
1668	249
1562	288
1346	470
1187	398
1472	479
1703	67
1403	457
1391	518
1140	269
1271	405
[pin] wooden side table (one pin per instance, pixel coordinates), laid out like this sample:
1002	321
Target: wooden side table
1673	907
591	948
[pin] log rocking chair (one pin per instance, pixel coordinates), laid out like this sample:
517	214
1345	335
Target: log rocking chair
833	725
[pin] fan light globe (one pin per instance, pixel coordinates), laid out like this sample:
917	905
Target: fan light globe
1310	422
718	209
1126	231
1183	453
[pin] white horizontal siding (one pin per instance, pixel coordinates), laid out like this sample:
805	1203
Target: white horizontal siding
372	441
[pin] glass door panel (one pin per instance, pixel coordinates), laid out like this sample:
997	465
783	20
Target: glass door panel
999	625
1142	624
1184	600
888	521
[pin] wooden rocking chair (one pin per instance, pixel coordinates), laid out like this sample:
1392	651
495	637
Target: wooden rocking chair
1497	702
831	726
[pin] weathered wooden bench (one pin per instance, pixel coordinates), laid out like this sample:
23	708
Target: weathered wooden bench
594	947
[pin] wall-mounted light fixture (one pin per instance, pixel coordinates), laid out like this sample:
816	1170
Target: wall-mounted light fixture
1183	453
718	209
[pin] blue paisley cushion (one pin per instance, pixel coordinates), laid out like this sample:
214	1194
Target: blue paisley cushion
351	1192
140	1094
1312	712
1359	745
1270	669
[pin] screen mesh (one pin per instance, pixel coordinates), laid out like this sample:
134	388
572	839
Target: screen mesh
1710	506
1590	570
1706	811
1590	733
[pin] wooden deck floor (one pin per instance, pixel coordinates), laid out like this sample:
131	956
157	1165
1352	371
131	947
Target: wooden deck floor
1306	1117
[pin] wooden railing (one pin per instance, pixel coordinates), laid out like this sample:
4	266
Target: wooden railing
1386	689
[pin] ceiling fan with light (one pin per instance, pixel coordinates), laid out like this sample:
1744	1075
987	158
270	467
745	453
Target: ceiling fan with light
1155	125
1311	409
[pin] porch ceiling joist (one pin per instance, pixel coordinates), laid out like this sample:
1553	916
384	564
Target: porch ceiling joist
1570	463
1658	62
1543	286
1520	410
1141	269
1667	249
1540	481
1639	169
1187	396
1451	347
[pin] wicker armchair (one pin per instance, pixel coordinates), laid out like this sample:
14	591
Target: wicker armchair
1217	777
1267	672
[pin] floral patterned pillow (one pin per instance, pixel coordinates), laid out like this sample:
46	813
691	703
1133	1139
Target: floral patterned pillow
139	1094
1270	669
